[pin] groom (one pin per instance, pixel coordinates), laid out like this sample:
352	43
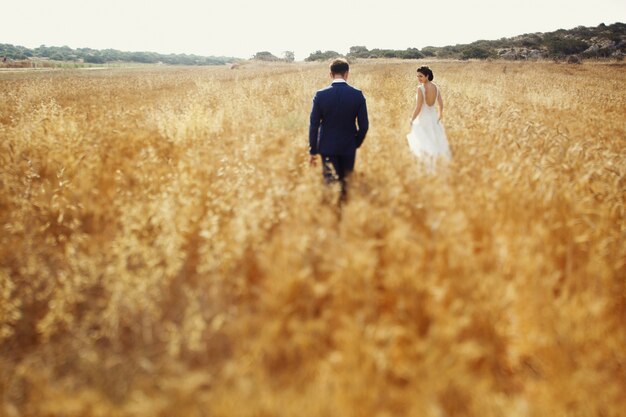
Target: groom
333	132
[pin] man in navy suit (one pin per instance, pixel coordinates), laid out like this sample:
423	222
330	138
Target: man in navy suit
333	132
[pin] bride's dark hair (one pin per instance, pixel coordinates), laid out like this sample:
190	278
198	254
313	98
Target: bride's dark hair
427	72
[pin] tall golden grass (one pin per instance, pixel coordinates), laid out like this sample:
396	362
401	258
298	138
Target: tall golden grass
166	250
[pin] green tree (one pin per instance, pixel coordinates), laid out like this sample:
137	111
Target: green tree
265	56
531	41
289	56
560	46
429	51
322	56
57	56
358	52
412	53
476	52
93	59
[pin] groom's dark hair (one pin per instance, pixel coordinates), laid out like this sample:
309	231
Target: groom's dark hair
339	66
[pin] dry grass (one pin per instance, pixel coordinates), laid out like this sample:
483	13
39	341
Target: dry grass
167	251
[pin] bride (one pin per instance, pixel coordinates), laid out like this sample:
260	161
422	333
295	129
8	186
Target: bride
427	139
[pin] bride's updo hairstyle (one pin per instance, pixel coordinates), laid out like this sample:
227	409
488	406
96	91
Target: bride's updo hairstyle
427	72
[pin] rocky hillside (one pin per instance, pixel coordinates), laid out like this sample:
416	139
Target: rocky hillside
586	42
603	41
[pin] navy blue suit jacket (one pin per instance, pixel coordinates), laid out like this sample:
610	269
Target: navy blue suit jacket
333	129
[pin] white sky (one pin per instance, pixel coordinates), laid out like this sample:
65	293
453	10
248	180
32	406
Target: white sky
242	27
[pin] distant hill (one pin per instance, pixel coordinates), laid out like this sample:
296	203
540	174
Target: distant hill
95	56
603	41
582	42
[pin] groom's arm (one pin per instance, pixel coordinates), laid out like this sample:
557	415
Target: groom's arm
363	122
314	127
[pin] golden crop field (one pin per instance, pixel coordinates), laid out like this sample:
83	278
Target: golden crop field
166	249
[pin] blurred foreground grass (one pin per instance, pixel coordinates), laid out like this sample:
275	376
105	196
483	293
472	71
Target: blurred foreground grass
167	251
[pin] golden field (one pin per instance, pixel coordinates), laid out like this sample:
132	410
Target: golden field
166	250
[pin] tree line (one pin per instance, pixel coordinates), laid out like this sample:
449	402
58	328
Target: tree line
95	56
587	42
602	41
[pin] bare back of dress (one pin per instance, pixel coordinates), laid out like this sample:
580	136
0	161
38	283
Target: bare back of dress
427	139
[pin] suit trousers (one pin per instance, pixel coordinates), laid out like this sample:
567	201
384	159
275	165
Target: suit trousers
338	168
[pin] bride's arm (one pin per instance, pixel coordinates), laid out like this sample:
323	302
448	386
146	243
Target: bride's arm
440	105
418	105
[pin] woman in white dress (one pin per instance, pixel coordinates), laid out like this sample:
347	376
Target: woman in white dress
427	139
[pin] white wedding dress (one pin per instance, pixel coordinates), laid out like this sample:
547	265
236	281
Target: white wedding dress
427	139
